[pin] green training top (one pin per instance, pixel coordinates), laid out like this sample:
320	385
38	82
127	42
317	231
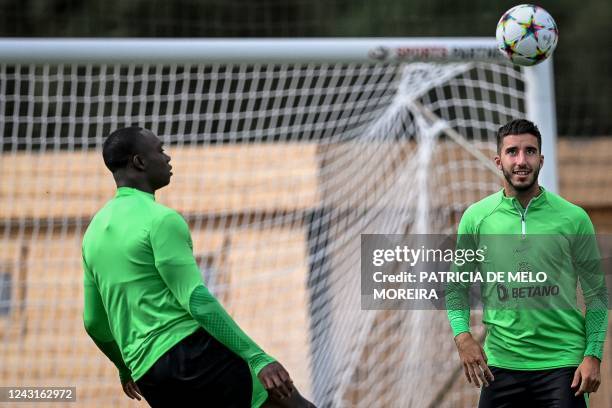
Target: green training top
144	292
533	325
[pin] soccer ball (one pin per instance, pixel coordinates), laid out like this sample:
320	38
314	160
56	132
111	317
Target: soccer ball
527	34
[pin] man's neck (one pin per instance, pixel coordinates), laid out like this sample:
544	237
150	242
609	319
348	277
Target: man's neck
523	197
138	184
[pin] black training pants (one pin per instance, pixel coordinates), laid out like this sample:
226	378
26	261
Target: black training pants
198	372
531	389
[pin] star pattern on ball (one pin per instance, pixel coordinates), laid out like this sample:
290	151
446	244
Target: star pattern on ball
540	55
508	47
531	28
506	17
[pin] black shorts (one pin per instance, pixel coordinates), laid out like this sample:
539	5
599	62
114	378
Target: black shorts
198	371
526	389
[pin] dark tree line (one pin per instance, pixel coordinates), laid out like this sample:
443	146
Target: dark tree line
582	60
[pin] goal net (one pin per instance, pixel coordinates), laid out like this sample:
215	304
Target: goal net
284	153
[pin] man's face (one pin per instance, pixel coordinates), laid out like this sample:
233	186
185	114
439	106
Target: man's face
157	166
520	160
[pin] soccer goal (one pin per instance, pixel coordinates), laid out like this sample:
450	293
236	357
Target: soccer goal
284	153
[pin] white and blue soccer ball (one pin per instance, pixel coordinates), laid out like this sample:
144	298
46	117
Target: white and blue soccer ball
527	34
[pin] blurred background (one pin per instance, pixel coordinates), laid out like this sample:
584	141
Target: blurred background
582	59
276	183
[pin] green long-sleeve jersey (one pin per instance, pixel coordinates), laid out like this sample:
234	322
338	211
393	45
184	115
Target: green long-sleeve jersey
144	292
533	325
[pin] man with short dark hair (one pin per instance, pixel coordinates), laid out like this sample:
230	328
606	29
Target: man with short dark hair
146	306
540	349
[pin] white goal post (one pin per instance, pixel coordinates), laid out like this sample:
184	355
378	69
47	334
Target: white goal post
285	151
539	83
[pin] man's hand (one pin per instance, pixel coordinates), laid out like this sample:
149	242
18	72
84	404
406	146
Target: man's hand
131	389
587	376
276	380
474	360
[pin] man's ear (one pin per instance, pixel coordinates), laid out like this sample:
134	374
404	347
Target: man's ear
137	162
541	161
497	161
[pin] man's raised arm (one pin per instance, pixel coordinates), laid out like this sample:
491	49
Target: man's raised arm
172	248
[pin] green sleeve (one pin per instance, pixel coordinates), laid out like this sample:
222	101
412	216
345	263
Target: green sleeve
172	248
96	325
211	315
587	262
457	294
